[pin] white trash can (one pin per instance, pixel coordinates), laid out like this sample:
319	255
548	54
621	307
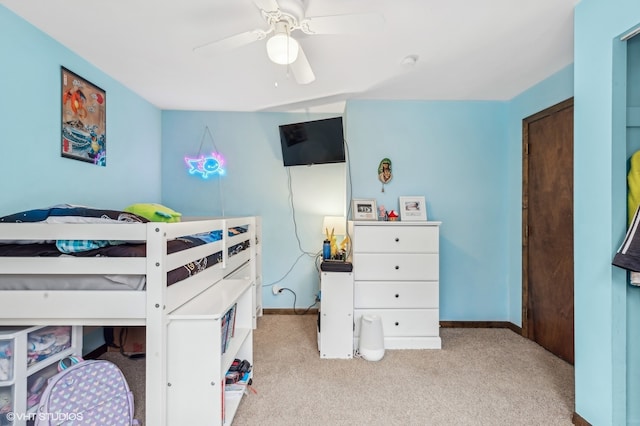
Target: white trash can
371	345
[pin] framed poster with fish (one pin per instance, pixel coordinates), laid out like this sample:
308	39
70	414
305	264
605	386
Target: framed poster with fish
84	120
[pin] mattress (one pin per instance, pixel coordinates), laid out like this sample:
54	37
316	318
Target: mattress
72	282
98	282
104	282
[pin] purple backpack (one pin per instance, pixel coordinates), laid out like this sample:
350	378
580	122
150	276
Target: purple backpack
93	392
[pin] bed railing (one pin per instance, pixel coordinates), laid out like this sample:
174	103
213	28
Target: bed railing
115	306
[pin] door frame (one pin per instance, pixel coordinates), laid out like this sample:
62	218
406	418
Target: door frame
525	207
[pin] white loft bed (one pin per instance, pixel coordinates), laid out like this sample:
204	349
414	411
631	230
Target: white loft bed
149	307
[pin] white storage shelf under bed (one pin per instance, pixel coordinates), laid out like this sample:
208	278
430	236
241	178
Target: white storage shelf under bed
151	306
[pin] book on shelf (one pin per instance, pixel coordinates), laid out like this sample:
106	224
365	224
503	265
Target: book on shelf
228	325
223	334
232	319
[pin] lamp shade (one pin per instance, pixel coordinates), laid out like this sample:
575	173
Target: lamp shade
282	48
337	224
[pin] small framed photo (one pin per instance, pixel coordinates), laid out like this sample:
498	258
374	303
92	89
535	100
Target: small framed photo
364	209
413	209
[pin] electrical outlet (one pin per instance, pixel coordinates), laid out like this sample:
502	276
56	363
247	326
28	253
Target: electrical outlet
276	289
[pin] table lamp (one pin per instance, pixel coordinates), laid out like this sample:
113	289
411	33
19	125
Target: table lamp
332	226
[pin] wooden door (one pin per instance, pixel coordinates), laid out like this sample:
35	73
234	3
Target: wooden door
547	214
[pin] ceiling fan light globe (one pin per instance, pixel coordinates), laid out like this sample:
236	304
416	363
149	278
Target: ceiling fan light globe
282	49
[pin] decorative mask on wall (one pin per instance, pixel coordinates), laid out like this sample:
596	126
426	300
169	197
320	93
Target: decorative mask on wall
384	172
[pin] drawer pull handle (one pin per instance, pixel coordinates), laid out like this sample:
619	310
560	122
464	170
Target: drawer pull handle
397	295
397	323
397	267
397	239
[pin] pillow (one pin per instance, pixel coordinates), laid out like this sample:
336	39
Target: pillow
154	212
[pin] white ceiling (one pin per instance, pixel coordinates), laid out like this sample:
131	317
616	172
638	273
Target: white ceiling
468	50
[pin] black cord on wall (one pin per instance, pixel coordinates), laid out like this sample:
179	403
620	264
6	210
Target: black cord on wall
294	302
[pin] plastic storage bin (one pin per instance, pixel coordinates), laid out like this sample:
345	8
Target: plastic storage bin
6	359
28	357
6	405
46	342
37	382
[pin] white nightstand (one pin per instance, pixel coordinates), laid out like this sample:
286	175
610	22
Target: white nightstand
335	322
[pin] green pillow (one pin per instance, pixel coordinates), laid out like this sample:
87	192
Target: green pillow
154	212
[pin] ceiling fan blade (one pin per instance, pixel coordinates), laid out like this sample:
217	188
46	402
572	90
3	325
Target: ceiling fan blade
342	24
230	43
267	5
301	69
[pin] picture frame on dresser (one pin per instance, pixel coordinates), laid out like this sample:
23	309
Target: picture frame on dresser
413	208
364	209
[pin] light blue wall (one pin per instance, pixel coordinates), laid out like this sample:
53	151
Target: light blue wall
480	281
600	154
455	154
256	183
421	133
423	140
550	91
33	172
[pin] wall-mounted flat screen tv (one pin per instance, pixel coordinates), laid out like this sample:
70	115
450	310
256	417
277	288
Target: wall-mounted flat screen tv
312	142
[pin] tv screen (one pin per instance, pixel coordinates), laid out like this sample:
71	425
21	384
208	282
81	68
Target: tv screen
312	142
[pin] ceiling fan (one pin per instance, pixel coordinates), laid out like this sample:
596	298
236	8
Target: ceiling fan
283	17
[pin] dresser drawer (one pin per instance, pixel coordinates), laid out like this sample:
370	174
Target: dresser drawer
403	323
396	239
395	267
384	294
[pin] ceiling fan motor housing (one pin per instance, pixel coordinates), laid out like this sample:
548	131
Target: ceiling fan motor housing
290	12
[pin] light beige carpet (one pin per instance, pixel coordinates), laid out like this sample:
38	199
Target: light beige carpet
479	377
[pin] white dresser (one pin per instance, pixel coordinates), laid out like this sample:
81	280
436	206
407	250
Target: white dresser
396	273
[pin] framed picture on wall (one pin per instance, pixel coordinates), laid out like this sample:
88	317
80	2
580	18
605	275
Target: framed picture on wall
413	209
84	120
364	209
